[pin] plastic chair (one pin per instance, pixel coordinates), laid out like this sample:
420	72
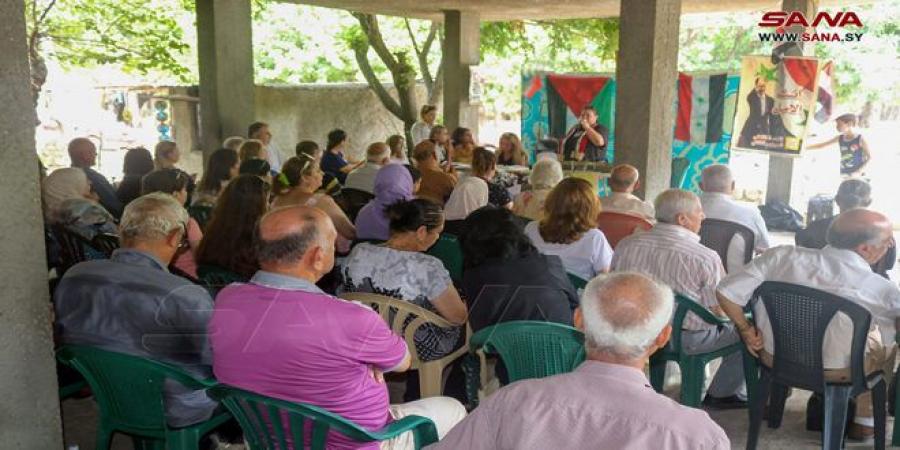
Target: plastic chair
717	234
395	313
352	200
215	277
201	212
577	282
799	316
106	243
298	422
618	226
692	366
448	250
679	172
129	392
528	349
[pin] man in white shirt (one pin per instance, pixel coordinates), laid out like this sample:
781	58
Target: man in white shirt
363	178
717	184
856	239
623	180
671	252
261	132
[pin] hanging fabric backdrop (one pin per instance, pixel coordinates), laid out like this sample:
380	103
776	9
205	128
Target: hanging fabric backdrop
704	119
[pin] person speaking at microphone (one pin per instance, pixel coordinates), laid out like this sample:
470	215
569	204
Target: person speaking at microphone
587	140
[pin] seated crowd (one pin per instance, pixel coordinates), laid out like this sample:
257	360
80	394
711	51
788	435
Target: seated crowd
239	277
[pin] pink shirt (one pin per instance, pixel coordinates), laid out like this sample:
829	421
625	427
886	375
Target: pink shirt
282	337
599	405
185	261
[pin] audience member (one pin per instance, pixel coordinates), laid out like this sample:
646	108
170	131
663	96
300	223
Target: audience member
484	166
83	154
569	229
623	180
672	253
469	194
253	149
506	278
441	139
330	184
69	200
257	167
233	142
281	336
297	185
462	145
230	227
262	132
852	193
718	188
333	162
174	182
399	269
397	144
421	130
856	239
131	304
416	176
510	151
223	166
138	162
545	175
437	182
393	184
363	178
165	155
606	402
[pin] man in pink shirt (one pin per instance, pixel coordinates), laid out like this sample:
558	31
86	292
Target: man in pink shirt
280	336
606	402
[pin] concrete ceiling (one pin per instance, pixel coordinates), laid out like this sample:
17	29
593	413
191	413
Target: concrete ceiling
495	10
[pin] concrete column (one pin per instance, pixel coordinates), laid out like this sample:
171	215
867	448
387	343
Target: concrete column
29	418
462	42
225	50
781	168
646	70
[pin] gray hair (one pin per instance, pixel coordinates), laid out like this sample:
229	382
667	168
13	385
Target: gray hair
291	247
545	174
670	203
853	193
717	178
624	312
233	142
848	238
152	217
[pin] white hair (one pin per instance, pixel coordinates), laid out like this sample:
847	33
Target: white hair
545	174
233	142
624	312
672	202
385	153
717	178
152	217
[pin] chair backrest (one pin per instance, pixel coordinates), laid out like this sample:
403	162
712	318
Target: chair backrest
128	389
201	212
449	251
799	316
396	313
296	422
106	243
717	234
352	200
683	306
532	349
679	172
215	277
618	226
577	282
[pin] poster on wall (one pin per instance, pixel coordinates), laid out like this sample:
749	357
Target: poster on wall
775	104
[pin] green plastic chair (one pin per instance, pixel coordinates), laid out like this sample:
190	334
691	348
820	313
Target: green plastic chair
295	420
578	282
692	366
679	172
528	349
71	389
215	277
129	392
449	251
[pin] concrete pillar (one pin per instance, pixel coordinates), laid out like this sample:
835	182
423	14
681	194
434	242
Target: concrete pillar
462	42
646	70
781	168
29	418
225	53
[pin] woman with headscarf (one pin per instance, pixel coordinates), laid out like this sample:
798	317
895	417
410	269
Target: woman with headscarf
469	194
393	183
545	175
70	201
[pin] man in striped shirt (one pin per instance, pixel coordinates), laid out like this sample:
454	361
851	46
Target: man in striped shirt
671	252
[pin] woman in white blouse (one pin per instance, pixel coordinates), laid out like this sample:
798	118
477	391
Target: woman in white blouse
421	130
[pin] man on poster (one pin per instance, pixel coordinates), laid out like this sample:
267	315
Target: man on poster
761	121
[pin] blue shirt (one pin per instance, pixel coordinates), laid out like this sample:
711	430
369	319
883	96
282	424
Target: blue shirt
131	304
332	164
108	197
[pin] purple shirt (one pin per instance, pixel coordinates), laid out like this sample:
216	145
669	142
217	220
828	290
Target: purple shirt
599	405
282	337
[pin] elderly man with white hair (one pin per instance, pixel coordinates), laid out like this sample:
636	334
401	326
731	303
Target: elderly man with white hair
606	402
131	304
671	252
856	239
623	180
717	199
363	178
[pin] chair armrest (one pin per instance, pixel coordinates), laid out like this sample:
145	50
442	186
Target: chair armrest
700	311
403	425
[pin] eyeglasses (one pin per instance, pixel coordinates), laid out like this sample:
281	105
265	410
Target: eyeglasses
184	243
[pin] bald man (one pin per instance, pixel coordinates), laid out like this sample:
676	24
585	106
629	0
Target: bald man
83	154
623	180
607	401
856	239
279	335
